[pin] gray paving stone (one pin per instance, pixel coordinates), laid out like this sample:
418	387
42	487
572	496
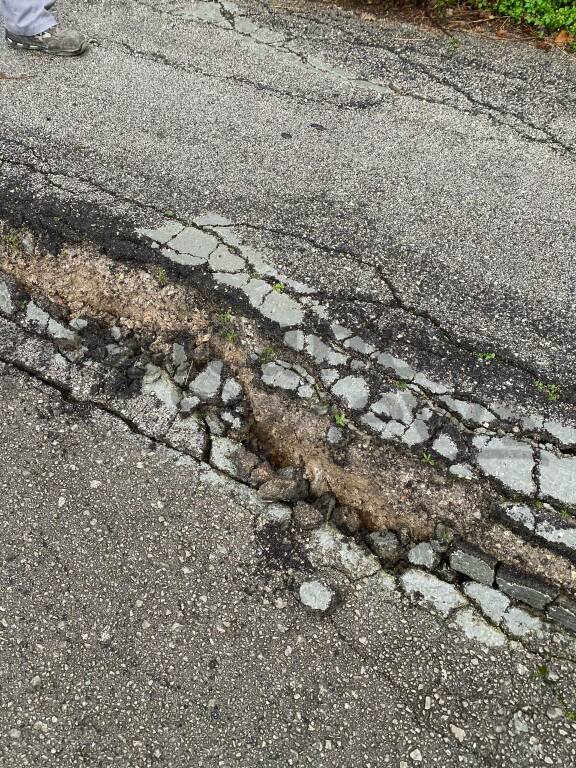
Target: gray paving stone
189	435
492	602
78	324
386	547
563	610
211	220
322	352
423	554
518	516
525	588
374	423
275	375
359	345
334	435
194	242
471	413
558	478
445	446
232	458
521	624
416	434
157	382
396	405
435	387
230	237
392	430
188	404
463	471
532	423
186	259
278	515
328	548
354	392
282	309
503	412
231	391
316	596
179	356
475	628
507	460
206	384
256	290
59	331
295	340
563	535
565	435
443	597
164	233
477	565
400	367
6	304
340	332
329	376
36	316
305	391
234	280
224	260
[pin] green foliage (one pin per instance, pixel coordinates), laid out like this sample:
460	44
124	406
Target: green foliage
399	383
486	357
268	354
427	458
551	15
552	391
340	418
161	276
278	287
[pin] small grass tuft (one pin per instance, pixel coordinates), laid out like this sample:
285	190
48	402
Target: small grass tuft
486	358
399	383
551	391
427	458
161	276
268	354
279	287
340	418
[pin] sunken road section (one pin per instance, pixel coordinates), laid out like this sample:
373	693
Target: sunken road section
204	347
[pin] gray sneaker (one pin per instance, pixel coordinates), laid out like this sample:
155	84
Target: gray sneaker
55	41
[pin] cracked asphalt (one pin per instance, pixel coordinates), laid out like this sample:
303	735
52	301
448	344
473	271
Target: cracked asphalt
439	174
145	621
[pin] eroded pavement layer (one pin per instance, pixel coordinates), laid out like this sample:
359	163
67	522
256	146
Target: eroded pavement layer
344	361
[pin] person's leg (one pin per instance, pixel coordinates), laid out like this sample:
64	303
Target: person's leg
28	17
31	26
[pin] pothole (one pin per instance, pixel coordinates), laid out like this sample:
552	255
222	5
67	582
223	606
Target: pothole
204	376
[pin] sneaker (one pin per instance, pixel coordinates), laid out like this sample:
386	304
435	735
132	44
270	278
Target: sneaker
55	41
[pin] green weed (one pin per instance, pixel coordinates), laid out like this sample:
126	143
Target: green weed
161	276
268	354
427	458
551	391
486	357
399	384
279	287
340	418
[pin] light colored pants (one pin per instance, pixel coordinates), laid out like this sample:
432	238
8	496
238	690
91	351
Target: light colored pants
28	17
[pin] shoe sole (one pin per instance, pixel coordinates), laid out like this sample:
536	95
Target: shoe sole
38	49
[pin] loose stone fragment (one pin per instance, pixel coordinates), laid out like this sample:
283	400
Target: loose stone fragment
58	331
233	280
307	516
275	375
399	367
294	340
157	382
396	405
186	259
188	435
563	610
492	602
36	316
477	565
280	489
162	234
463	471
224	260
445	446
282	309
431	386
525	588
6	304
472	413
194	242
520	623
232	458
327	547
334	436
211	220
385	546
207	384
347	519
316	596
416	434
506	460
278	515
188	404
558	478
353	390
565	435
322	352
475	628
256	290
563	535
519	517
340	332
424	555
359	345
231	391
443	597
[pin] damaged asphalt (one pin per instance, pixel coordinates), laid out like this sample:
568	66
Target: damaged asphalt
325	255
